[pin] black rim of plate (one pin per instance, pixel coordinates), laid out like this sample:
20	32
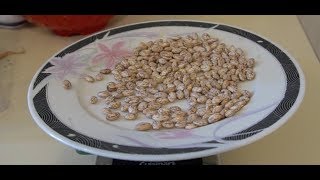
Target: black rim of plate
292	91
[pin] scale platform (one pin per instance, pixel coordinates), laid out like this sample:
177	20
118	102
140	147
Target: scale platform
100	160
213	160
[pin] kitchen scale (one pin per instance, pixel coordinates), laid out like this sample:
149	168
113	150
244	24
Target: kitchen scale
106	161
212	160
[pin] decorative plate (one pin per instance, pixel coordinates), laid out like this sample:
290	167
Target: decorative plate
67	115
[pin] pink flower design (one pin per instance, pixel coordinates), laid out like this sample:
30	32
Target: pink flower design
108	56
64	66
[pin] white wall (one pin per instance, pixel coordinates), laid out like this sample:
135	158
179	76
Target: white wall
311	25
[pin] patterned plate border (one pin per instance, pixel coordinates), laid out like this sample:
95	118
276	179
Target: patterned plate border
42	108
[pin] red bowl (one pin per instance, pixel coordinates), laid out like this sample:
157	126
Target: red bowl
68	25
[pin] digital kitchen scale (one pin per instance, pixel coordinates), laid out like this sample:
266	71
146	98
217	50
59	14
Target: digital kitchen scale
106	161
212	160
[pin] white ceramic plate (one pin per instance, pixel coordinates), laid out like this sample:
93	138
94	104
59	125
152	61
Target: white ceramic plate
68	117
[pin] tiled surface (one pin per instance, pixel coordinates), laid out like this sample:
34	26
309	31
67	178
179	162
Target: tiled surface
311	26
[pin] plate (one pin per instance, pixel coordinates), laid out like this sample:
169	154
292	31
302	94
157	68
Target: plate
67	115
